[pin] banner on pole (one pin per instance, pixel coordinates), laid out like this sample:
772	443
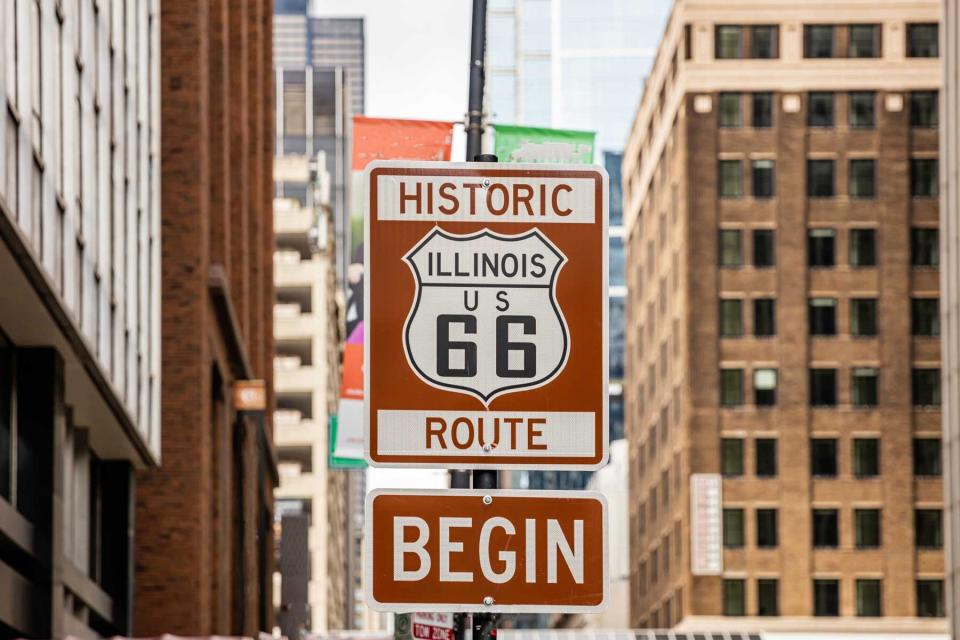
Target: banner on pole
534	144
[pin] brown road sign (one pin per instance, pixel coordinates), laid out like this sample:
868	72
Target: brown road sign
497	551
486	306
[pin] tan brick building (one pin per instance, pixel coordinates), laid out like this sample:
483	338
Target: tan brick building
780	196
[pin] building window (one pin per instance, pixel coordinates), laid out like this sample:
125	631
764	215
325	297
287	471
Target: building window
926	457
928	528
763	176
731	450
923	178
863	251
826	532
864	383
866	524
823	457
731	179
731	254
763	42
767	528
925	316
923	109
820	109
823	316
826	597
864	41
762	110
768	598
823	387
731	387
926	387
729	42
733	528
922	40
862	109
765	387
930	599
866	457
764	253
863	178
869	598
730	110
766	454
820	247
734	597
819	41
687	42
863	317
731	318
924	247
764	317
820	183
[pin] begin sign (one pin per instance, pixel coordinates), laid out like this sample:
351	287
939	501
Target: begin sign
496	551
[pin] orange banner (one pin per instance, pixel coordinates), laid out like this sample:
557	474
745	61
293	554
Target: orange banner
391	139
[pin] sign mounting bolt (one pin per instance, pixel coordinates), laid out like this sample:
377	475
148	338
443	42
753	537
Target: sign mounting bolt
486	182
487	447
487	499
488	600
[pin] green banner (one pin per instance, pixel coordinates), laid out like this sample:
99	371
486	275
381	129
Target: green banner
342	461
533	144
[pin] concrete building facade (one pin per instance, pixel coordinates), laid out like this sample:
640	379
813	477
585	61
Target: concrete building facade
783	387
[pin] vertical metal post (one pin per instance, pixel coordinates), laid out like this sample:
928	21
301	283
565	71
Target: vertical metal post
478	45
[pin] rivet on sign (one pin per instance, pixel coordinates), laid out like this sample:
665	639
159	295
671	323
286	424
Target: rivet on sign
486	182
487	447
487	499
488	600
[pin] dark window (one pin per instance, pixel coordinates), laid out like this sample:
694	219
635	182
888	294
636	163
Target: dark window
863	178
928	528
729	42
864	386
763	177
763	41
820	109
922	41
733	528
863	248
930	599
924	247
731	318
734	598
818	41
820	182
923	109
866	457
731	387
823	316
767	528
869	598
762	110
863	317
823	457
6	419
862	109
731	178
926	457
730	110
925	316
866	523
826	597
926	387
765	387
820	247
731	253
826	531
764	317
823	387
764	253
687	42
766	457
732	452
768	597
864	41
923	178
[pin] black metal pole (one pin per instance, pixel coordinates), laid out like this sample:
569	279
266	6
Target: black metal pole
478	45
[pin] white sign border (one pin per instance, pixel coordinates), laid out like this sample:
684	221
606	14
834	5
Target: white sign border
494	463
479	607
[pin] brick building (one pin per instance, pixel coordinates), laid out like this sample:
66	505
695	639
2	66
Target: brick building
780	187
204	520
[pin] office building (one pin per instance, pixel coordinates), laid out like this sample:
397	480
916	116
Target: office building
79	308
783	384
204	519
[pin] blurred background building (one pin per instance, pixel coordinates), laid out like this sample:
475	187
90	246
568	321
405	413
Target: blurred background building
783	326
